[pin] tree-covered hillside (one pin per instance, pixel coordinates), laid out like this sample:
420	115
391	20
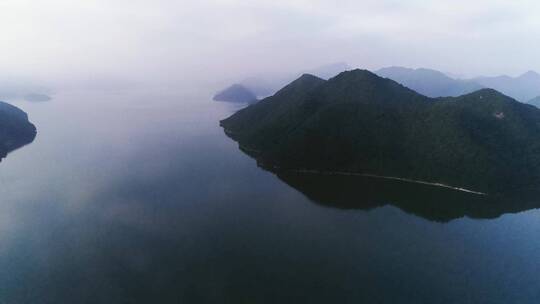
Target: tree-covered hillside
359	122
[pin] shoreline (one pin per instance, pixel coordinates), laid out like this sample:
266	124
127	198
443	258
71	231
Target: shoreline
402	179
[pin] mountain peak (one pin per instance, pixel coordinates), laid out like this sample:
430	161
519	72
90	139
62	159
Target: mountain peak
356	74
305	82
487	91
396	68
530	74
488	94
405	70
306	79
362	82
358	122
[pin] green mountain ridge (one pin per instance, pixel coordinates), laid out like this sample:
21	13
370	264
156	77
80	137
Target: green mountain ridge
359	122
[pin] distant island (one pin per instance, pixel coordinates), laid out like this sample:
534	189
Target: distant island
428	82
18	89
35	97
15	129
236	93
263	86
361	124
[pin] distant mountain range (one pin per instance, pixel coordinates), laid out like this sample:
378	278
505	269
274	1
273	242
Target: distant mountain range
360	123
428	82
433	83
523	88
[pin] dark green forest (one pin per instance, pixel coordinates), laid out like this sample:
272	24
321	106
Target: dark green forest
359	122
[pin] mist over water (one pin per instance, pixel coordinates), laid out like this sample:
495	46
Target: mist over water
123	200
212	43
132	193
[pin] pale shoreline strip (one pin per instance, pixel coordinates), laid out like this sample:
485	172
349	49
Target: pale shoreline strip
388	177
402	179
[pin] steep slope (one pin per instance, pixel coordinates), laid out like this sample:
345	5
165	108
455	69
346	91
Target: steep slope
236	93
273	116
522	88
358	122
429	82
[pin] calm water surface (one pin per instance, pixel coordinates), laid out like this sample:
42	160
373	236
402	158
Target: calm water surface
141	198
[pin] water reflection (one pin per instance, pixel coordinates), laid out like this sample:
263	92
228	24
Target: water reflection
154	205
432	203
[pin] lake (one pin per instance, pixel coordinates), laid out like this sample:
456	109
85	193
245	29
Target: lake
140	197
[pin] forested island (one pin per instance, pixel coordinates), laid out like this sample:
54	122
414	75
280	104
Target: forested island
359	123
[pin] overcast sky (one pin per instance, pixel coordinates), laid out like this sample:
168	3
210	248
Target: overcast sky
182	41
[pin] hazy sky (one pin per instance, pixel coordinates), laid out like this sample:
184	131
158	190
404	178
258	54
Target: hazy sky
207	40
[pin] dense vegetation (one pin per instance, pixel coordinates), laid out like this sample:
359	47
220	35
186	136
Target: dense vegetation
15	129
236	93
359	122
